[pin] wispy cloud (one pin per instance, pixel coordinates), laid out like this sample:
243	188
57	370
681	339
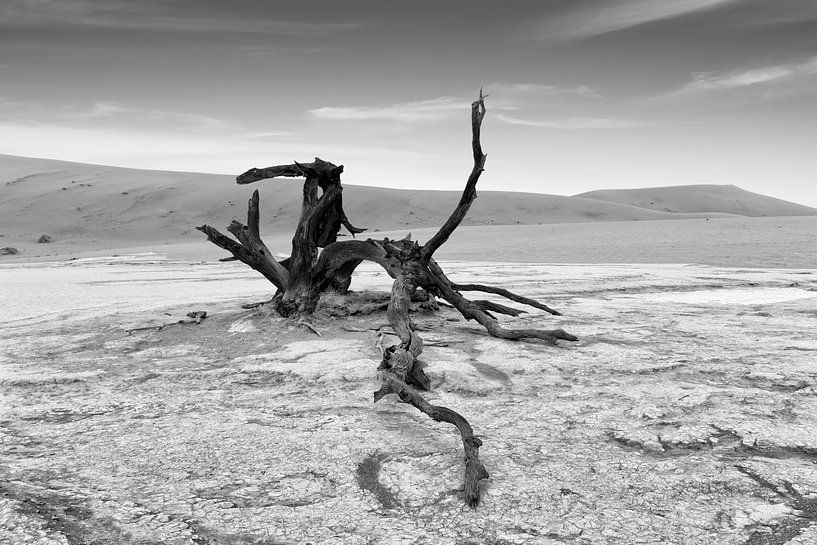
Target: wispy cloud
503	98
422	111
271	135
575	123
704	82
778	12
156	15
108	113
116	111
590	20
543	89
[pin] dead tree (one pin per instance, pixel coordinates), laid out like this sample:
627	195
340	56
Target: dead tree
301	279
299	283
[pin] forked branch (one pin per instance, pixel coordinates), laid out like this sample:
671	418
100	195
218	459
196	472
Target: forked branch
250	249
473	311
438	272
470	191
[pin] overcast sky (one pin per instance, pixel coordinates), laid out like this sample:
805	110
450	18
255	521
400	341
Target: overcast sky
584	94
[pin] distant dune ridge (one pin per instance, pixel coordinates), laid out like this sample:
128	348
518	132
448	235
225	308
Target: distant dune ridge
91	203
701	198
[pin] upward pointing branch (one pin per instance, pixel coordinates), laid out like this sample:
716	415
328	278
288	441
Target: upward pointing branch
470	191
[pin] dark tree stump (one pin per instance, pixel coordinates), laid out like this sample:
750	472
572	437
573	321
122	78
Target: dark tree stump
299	277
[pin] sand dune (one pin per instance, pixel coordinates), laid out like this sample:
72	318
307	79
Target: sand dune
108	207
701	198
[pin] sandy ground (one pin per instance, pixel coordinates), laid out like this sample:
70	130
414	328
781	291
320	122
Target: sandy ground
684	414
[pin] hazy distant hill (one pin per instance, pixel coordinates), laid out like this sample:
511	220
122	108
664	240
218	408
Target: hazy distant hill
81	202
701	198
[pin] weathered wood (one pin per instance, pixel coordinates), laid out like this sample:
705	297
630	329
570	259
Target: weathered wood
301	296
496	307
335	217
250	237
401	360
439	275
470	191
255	174
243	254
506	294
436	280
301	277
475	471
341	259
472	311
399	367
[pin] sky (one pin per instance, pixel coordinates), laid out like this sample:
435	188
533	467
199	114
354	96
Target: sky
582	94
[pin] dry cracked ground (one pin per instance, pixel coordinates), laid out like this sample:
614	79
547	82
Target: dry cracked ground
685	415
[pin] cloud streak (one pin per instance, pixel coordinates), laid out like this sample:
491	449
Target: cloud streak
108	113
115	111
153	15
543	89
575	123
591	21
422	111
707	82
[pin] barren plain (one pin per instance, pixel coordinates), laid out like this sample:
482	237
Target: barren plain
683	415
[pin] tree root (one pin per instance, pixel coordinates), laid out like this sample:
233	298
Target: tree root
474	470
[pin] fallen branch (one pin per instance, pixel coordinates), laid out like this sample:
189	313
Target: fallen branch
197	317
506	294
496	307
472	311
474	469
440	275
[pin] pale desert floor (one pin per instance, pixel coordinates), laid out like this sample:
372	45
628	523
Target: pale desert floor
685	414
732	242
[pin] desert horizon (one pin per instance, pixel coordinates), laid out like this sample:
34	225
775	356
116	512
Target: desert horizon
91	209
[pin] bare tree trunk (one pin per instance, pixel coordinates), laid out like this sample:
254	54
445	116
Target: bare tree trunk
300	282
